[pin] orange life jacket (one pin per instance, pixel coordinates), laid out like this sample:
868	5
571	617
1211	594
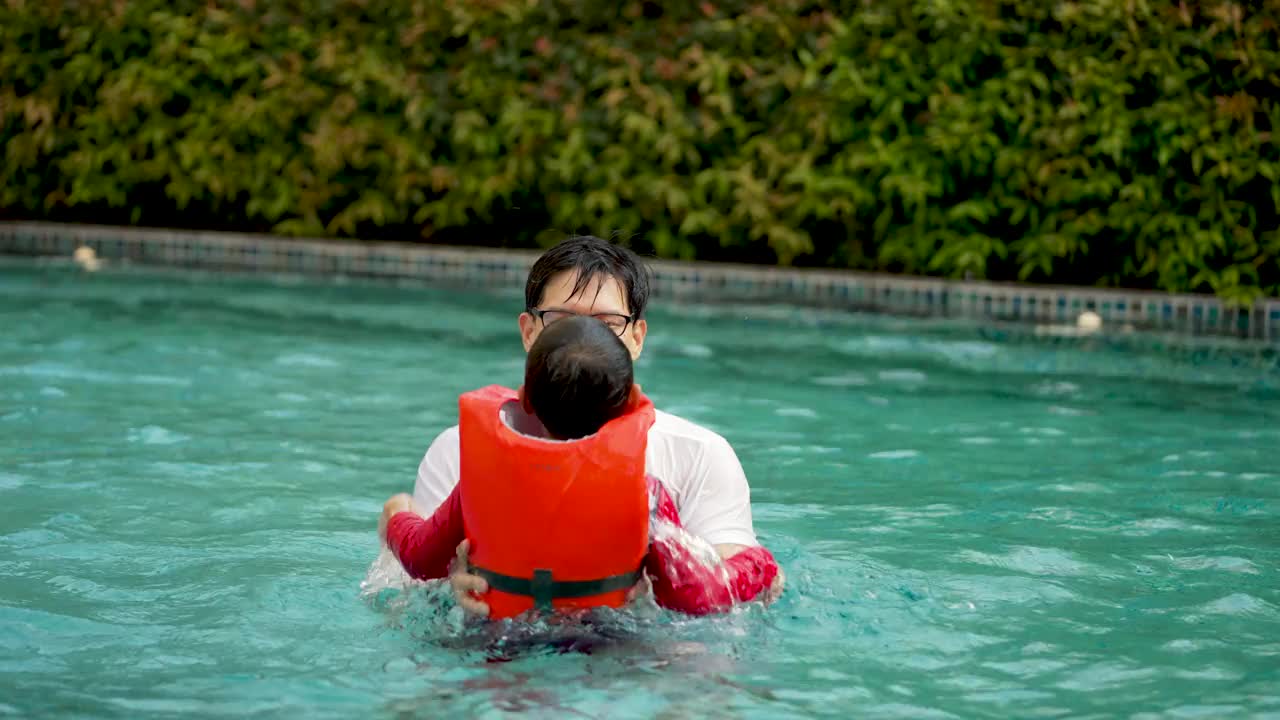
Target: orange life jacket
553	525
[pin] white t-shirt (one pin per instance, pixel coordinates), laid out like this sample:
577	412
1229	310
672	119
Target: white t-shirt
698	467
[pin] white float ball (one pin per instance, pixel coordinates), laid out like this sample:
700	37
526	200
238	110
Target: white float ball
1089	321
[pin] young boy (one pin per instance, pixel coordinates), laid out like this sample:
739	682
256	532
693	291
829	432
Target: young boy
579	377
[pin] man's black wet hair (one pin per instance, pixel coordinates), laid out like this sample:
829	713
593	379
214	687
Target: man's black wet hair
592	257
577	377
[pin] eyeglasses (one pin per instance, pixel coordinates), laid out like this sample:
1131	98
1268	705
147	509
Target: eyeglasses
617	323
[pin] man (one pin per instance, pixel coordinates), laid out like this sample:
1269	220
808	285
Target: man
588	276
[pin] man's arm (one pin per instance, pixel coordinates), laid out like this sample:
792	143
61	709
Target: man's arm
716	502
438	473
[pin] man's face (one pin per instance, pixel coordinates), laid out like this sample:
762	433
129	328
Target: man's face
602	297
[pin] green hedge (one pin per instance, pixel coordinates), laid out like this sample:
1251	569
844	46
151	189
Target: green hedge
1114	142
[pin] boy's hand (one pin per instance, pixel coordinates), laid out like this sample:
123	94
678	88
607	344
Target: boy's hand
466	586
642	587
775	588
399	502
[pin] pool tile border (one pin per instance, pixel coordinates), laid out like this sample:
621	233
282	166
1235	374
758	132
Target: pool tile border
485	267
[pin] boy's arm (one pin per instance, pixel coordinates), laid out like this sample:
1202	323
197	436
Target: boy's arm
685	583
424	546
682	583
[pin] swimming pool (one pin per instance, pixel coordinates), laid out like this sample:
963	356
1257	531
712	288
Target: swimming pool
191	468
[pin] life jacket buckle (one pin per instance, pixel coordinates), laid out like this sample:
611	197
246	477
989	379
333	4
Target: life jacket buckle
543	590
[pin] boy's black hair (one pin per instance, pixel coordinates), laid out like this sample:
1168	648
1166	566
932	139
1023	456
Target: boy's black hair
577	377
592	257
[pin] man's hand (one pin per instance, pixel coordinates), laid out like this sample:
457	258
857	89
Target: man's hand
774	592
396	503
464	584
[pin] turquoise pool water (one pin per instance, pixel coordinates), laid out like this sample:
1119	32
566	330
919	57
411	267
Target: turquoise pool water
191	468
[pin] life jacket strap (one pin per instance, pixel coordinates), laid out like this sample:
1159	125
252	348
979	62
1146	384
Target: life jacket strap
543	588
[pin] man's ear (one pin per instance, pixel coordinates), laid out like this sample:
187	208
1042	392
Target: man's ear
528	330
639	330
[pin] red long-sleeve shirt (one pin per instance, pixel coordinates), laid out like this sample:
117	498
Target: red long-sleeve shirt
426	546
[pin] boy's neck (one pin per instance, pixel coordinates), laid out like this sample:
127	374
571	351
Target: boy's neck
524	422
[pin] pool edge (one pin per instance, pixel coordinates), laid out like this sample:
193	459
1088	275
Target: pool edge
1039	309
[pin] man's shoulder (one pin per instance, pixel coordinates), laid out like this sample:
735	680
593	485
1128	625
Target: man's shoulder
683	430
447	442
448	433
